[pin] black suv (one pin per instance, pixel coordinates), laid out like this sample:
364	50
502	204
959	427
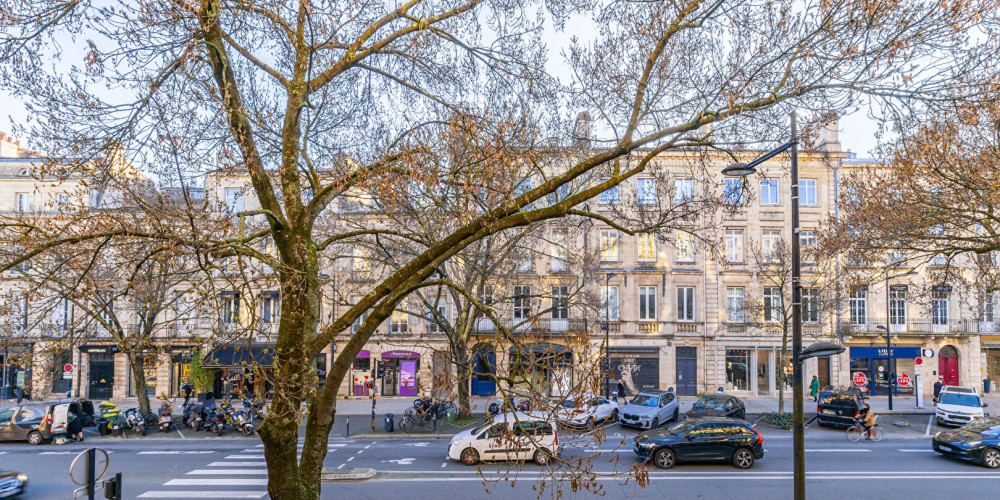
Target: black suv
701	439
837	408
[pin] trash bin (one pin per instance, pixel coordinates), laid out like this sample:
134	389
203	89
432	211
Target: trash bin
986	385
389	422
451	414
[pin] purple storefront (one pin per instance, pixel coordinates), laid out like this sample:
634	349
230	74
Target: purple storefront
362	378
400	375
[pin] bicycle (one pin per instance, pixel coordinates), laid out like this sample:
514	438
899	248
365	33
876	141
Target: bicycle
411	420
856	431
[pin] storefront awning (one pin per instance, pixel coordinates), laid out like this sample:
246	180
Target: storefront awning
239	356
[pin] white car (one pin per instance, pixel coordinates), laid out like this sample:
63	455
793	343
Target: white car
508	437
587	411
959	405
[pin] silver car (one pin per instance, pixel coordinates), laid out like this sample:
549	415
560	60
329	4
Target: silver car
649	409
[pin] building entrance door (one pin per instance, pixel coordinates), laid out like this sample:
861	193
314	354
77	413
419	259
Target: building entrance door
823	371
390	381
948	365
687	371
102	379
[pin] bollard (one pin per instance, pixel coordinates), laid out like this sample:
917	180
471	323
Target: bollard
347	432
435	420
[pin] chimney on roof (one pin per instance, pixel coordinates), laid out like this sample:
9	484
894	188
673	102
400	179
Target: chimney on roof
9	148
829	135
581	131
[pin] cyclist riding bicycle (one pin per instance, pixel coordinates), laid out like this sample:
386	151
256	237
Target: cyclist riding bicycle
867	419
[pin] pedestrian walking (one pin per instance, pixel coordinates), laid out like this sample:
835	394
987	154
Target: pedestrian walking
814	389
187	390
937	389
622	390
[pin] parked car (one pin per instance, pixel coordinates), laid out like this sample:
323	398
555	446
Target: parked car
587	411
83	408
978	441
649	409
12	483
837	408
959	405
35	423
701	439
509	436
718	405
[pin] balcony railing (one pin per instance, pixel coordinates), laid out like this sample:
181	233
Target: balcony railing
533	326
922	326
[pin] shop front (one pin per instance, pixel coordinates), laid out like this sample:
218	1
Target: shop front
15	361
759	370
240	371
399	373
884	370
548	368
361	374
637	368
991	363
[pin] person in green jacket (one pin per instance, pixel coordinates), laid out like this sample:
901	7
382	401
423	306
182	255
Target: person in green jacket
814	389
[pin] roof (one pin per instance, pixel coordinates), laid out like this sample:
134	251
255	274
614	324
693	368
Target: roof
656	392
959	389
717	419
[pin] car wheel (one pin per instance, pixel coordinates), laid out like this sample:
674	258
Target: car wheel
614	415
742	415
677	413
655	424
470	456
664	458
991	458
743	458
34	437
542	457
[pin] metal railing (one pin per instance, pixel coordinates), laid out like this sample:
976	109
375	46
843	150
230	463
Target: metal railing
922	325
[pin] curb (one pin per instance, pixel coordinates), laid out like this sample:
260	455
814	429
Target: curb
331	475
402	436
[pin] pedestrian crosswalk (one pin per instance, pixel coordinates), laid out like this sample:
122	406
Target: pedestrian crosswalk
241	474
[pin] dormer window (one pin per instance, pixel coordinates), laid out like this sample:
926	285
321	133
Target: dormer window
23	173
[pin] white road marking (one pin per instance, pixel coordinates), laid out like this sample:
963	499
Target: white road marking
400	461
444	464
341	466
360	451
167	452
259	446
838	450
349	459
216	481
930	420
63	452
409	444
203	494
179	432
920	450
234	472
245	456
237	464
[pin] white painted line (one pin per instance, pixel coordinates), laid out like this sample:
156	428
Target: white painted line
259	446
245	456
930	420
337	445
349	459
3	452
921	450
444	464
237	464
216	481
203	494
63	452
838	450
179	432
360	451
252	450
234	472
173	452
366	447
341	466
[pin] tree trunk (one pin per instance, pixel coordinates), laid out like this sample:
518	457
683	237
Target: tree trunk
460	355
138	365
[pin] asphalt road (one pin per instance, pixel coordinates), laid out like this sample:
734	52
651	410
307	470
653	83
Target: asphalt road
203	466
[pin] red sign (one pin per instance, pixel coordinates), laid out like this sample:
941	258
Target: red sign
68	367
859	378
903	379
918	361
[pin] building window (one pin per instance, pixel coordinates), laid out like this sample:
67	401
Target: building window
939	307
770	245
559	251
522	301
897	307
23	202
807	240
270	307
398	323
810	305
772	305
609	196
485	294
560	302
435	322
738	369
234	200
769	192
361	319
734	245
683	191
733	191
646	191
609	245
735	311
859	305
807	191
361	267
609	303
684	246
989	307
685	304
560	194
230	307
647	303
647	247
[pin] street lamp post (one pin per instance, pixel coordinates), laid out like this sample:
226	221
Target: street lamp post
889	359
607	335
798	425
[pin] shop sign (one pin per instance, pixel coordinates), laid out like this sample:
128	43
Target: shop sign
899	288
859	378
903	379
400	354
636	373
880	352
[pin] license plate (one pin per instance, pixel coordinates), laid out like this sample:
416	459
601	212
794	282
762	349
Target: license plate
829	412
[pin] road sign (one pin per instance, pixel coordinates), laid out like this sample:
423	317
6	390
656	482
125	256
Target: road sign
67	375
67	367
928	353
918	361
859	378
903	379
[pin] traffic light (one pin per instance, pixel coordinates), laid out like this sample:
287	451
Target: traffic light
380	369
113	487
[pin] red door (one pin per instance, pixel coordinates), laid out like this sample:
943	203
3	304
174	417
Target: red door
948	365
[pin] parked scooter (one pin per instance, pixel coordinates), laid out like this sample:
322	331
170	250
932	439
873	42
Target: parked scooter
222	417
134	421
166	416
193	416
245	419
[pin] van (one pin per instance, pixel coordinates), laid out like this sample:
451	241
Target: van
959	405
508	436
35	423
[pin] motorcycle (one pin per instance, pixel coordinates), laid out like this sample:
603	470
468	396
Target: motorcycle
221	418
193	416
166	417
134	421
244	421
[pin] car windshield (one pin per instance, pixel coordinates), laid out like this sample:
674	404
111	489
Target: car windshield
986	427
644	400
481	428
681	428
710	402
950	398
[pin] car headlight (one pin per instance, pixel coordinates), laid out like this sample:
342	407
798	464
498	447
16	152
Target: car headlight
22	477
937	434
973	444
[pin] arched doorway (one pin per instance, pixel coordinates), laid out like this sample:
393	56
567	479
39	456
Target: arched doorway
948	365
484	370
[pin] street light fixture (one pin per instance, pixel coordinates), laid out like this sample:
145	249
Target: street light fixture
890	365
607	335
798	421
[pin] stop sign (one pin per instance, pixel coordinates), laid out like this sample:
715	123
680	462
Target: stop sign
859	378
903	379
